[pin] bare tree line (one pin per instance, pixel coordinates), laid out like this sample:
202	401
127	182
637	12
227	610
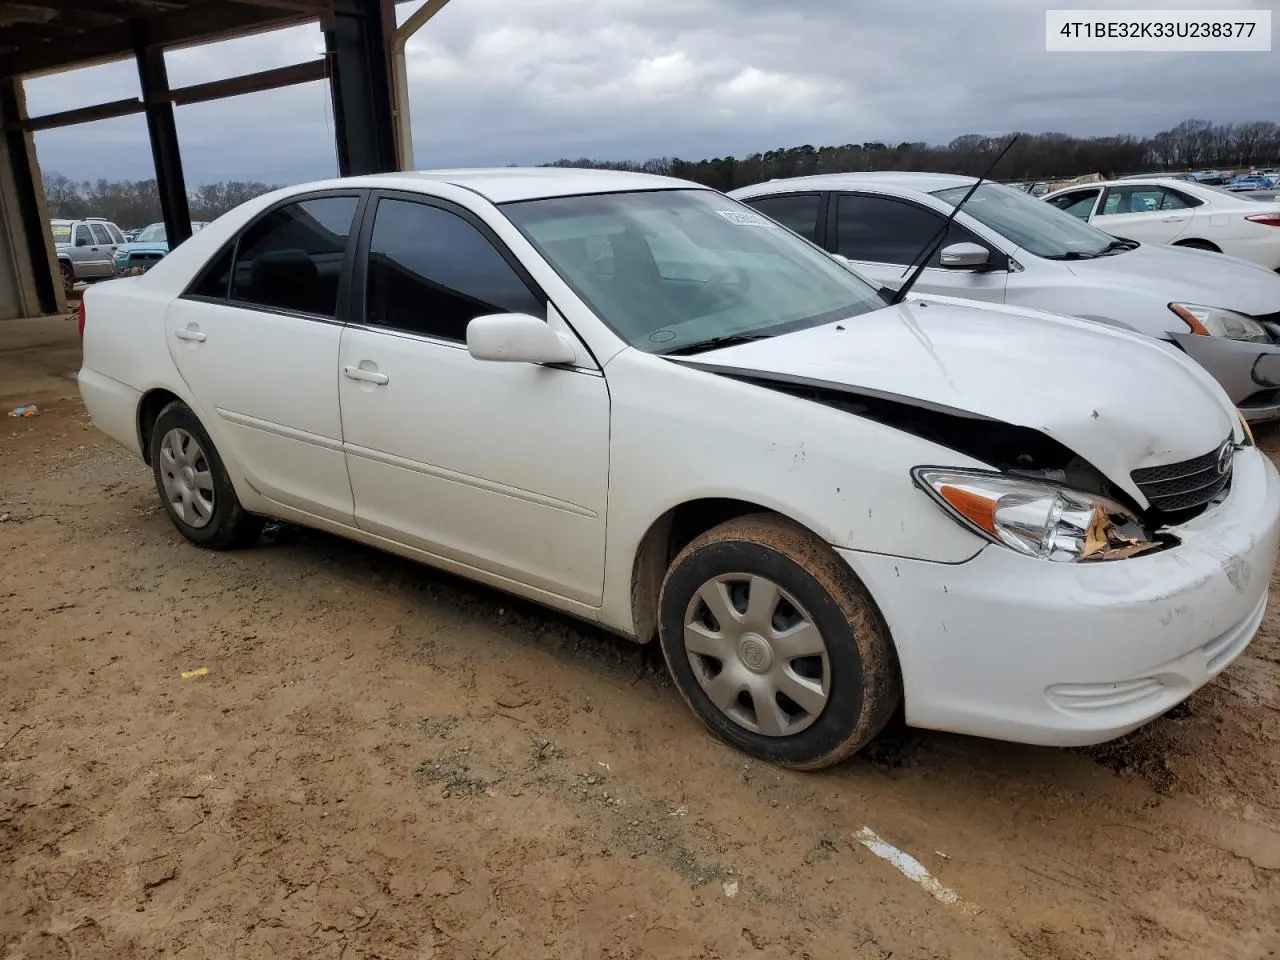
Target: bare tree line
135	203
1192	144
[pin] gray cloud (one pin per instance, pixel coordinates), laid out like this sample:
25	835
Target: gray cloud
494	82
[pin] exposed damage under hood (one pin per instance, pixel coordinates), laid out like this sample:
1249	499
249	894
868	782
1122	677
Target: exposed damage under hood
1027	394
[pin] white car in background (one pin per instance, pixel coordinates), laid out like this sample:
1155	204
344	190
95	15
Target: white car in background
1006	247
1179	212
642	403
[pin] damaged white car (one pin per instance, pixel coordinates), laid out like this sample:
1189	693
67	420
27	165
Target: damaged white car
640	402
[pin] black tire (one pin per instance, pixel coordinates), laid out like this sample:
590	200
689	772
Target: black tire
229	526
68	278
1198	245
863	680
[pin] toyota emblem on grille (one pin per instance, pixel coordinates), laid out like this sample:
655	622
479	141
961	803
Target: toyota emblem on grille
1224	458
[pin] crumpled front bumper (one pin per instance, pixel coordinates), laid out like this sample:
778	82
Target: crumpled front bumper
1065	654
1249	372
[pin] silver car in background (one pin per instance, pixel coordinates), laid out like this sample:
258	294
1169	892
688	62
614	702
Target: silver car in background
1007	247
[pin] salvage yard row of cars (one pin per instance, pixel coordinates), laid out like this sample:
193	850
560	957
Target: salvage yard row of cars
1018	500
96	249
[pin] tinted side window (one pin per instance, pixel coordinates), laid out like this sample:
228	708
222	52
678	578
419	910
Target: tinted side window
291	259
116	235
100	235
1078	204
432	272
881	230
215	278
83	237
796	211
1177	200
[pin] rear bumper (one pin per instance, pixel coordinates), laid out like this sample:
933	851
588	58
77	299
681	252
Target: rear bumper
112	406
1059	654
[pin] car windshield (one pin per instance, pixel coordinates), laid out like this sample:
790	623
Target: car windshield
1037	227
674	269
61	232
153	233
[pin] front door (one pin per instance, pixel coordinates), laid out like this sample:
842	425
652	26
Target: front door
498	466
256	341
91	258
882	236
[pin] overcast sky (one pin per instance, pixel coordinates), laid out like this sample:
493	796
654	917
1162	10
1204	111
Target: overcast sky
497	82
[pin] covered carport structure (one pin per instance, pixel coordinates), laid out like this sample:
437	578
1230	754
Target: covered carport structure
48	36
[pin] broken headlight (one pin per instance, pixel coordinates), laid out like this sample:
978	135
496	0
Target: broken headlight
1216	322
1037	519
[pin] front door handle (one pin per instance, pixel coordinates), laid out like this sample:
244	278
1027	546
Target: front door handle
367	376
186	333
1174	219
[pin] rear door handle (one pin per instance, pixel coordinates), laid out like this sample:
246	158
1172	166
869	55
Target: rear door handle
183	333
368	376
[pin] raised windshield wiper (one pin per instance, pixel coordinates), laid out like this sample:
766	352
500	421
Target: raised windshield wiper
713	343
932	246
1115	246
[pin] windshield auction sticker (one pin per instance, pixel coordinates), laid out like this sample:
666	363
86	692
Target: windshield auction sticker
1157	31
745	218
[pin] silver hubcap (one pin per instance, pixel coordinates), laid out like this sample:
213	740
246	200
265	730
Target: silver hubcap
757	654
185	476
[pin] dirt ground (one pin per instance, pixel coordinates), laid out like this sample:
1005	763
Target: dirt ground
385	762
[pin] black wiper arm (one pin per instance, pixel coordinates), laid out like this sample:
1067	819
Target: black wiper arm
1117	244
931	247
713	343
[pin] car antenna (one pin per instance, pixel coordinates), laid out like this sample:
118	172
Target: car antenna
927	253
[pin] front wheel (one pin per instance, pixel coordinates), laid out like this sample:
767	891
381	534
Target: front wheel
776	644
193	484
68	278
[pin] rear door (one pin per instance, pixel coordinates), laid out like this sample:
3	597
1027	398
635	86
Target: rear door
256	339
103	251
882	235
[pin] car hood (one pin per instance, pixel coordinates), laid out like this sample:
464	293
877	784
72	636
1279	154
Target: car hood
1189	276
1119	400
145	247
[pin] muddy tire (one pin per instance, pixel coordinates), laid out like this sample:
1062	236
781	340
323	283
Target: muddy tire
194	487
68	279
776	645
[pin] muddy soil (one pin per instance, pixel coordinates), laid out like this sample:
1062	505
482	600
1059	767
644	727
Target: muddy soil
310	749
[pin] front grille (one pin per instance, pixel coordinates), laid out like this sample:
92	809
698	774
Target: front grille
1175	487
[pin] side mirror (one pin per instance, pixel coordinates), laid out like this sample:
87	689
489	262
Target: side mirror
81	242
518	338
965	256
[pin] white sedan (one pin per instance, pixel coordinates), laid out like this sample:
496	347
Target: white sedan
638	401
1179	212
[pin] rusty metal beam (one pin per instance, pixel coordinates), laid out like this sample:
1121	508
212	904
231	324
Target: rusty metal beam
196	93
251	82
99	111
201	24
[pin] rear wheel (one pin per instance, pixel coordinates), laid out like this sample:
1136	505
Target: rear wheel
193	484
776	645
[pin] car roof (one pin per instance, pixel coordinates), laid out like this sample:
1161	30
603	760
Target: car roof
509	184
895	180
